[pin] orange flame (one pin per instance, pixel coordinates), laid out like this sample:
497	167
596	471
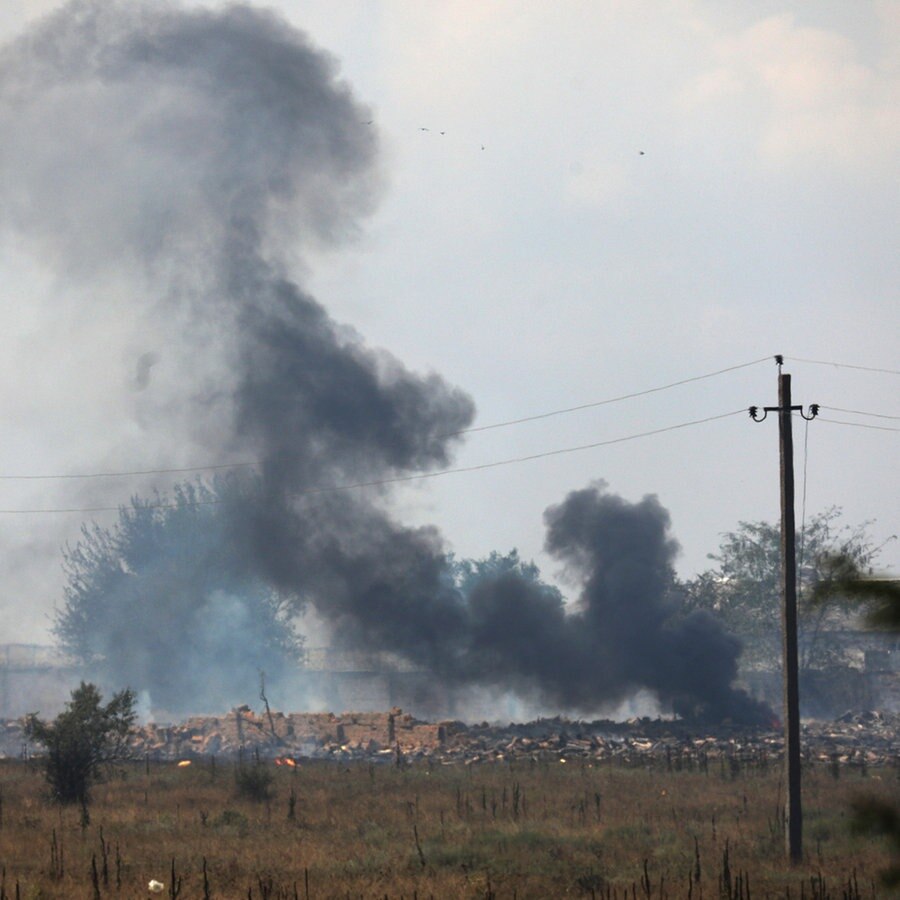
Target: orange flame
183	763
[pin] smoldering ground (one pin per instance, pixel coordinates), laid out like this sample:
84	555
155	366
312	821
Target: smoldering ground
190	158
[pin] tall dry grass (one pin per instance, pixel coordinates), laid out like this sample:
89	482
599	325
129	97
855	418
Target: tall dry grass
519	829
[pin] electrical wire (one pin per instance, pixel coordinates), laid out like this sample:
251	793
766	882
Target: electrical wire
419	476
856	424
252	463
802	555
569	409
821	362
803	508
528	458
859	412
133	473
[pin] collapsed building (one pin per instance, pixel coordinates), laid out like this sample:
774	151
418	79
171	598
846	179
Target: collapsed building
858	740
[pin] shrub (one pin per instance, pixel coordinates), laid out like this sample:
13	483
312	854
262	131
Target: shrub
83	739
253	782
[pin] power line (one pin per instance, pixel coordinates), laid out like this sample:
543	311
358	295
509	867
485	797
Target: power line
803	503
252	463
209	468
569	409
419	476
857	424
859	412
532	456
821	362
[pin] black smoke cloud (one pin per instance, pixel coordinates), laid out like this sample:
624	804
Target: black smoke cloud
510	631
624	555
193	154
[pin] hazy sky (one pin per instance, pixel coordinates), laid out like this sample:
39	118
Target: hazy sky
624	195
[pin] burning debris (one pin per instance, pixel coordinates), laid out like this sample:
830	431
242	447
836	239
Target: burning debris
860	740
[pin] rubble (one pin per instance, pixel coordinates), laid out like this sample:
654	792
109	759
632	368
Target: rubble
855	739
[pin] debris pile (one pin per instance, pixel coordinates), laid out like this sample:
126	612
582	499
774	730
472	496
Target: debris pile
865	739
855	739
293	734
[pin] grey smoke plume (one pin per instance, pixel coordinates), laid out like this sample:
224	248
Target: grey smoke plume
192	153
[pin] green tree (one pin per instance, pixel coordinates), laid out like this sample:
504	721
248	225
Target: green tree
169	601
744	588
83	739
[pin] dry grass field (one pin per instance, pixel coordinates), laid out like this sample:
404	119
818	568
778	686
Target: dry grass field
520	829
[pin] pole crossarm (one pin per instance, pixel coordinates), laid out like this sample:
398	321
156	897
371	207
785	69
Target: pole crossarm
754	411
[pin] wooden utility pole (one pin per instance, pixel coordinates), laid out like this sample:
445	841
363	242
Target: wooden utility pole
794	811
790	656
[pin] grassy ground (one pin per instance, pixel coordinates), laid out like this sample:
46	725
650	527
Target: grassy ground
524	829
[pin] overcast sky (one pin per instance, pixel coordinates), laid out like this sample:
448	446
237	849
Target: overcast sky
609	197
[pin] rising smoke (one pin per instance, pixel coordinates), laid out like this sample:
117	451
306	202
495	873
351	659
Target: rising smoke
192	153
